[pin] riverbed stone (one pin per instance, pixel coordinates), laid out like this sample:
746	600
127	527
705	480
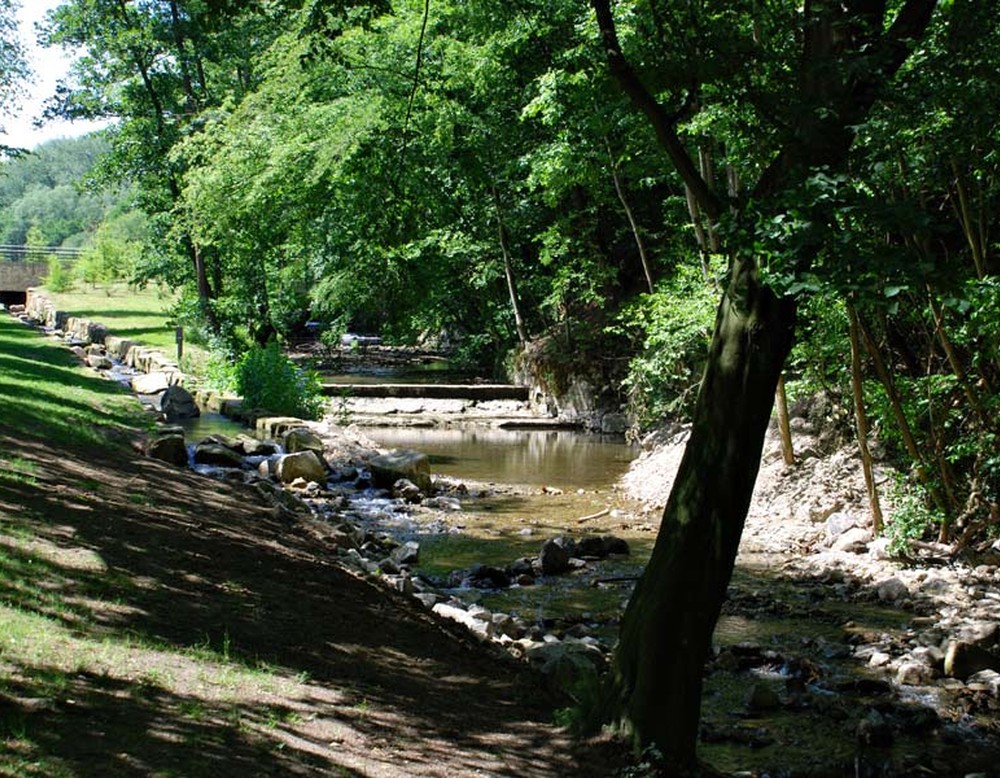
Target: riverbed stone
553	559
150	383
407	554
402	463
405	489
914	673
176	402
302	464
302	439
989	680
963	659
854	540
838	522
763	698
481	629
211	453
892	590
99	361
168	448
487	577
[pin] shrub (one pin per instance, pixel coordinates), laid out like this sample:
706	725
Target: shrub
269	381
58	279
673	327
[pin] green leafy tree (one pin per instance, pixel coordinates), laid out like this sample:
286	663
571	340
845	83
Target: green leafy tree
13	66
801	83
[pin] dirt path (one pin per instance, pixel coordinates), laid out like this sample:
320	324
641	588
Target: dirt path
200	635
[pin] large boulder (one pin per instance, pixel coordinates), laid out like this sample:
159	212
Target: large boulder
176	402
302	439
402	463
209	453
168	448
554	557
302	464
963	659
150	383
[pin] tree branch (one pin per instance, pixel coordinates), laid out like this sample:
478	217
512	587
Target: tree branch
664	125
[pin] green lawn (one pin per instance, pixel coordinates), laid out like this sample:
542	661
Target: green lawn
141	315
45	394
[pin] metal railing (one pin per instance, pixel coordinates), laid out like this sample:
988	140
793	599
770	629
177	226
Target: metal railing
12	253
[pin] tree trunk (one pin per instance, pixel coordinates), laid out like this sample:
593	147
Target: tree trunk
781	405
861	421
672	614
636	233
508	269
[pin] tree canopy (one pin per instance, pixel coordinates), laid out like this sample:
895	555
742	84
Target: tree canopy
587	176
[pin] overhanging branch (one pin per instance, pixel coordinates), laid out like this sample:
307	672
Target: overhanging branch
664	124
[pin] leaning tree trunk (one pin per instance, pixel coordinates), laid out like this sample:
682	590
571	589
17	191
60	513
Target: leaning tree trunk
667	629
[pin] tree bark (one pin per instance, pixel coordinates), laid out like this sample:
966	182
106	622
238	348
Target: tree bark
861	421
667	628
508	268
781	406
636	233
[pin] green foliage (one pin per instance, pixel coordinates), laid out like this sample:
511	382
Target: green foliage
269	381
48	188
913	516
115	249
672	328
58	279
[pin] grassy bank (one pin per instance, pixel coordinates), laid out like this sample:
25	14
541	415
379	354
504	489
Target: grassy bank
45	394
158	623
138	314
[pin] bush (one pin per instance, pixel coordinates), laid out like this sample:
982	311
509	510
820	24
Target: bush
673	327
58	279
269	381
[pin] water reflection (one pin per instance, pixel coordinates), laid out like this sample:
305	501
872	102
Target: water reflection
207	424
559	458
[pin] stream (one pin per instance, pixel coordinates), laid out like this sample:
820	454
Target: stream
789	690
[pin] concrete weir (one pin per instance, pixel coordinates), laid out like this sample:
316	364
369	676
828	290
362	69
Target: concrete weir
475	392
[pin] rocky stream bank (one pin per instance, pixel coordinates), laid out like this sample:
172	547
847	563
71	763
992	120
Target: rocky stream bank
833	657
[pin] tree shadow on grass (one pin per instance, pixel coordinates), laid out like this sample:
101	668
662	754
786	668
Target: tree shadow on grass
204	564
87	724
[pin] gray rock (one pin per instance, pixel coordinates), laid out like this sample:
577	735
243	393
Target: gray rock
253	447
566	663
429	599
403	463
405	489
601	546
99	361
442	503
874	730
284	500
963	659
914	674
176	402
985	634
854	540
407	554
216	454
168	448
988	680
478	627
302	439
150	383
554	558
304	464
762	698
891	590
838	522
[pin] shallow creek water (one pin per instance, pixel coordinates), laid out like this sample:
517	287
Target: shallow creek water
526	487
